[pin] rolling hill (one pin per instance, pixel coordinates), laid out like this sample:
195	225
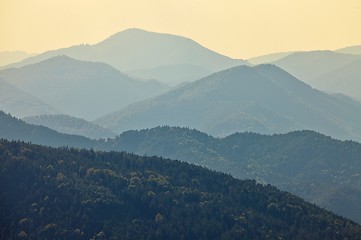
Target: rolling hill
81	89
320	169
263	99
78	194
12	128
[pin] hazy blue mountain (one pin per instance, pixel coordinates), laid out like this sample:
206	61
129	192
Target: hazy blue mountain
136	49
350	50
346	80
12	128
262	99
268	58
78	88
71	125
63	193
309	65
172	74
9	57
320	169
21	104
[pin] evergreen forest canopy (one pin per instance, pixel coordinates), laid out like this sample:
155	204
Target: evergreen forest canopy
318	168
71	193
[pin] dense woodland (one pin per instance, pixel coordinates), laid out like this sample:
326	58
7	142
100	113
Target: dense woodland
316	167
308	164
67	193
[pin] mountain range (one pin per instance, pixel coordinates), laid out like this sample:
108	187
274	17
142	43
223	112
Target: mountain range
79	88
263	99
326	70
136	50
318	168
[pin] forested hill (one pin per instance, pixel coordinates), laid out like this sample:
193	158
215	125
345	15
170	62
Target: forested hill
318	168
65	193
12	128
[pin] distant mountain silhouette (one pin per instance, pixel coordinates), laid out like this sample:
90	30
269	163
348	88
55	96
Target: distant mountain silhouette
70	125
268	58
309	65
134	49
9	57
356	50
172	74
326	70
21	104
346	80
78	88
263	99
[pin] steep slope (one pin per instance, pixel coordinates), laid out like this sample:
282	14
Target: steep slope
21	104
12	128
309	65
346	80
82	89
98	195
262	99
305	163
138	49
70	125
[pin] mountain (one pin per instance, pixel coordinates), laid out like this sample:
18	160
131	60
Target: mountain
19	103
309	65
78	88
12	128
263	99
9	57
345	79
71	125
316	167
172	74
78	194
268	58
291	161
136	49
356	50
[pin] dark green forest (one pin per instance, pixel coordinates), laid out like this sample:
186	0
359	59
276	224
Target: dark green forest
68	193
318	168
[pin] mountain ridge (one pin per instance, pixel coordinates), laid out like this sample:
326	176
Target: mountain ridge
81	88
263	99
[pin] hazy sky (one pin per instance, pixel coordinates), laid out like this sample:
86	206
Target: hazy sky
237	28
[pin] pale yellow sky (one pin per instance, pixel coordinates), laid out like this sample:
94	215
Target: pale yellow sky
237	28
